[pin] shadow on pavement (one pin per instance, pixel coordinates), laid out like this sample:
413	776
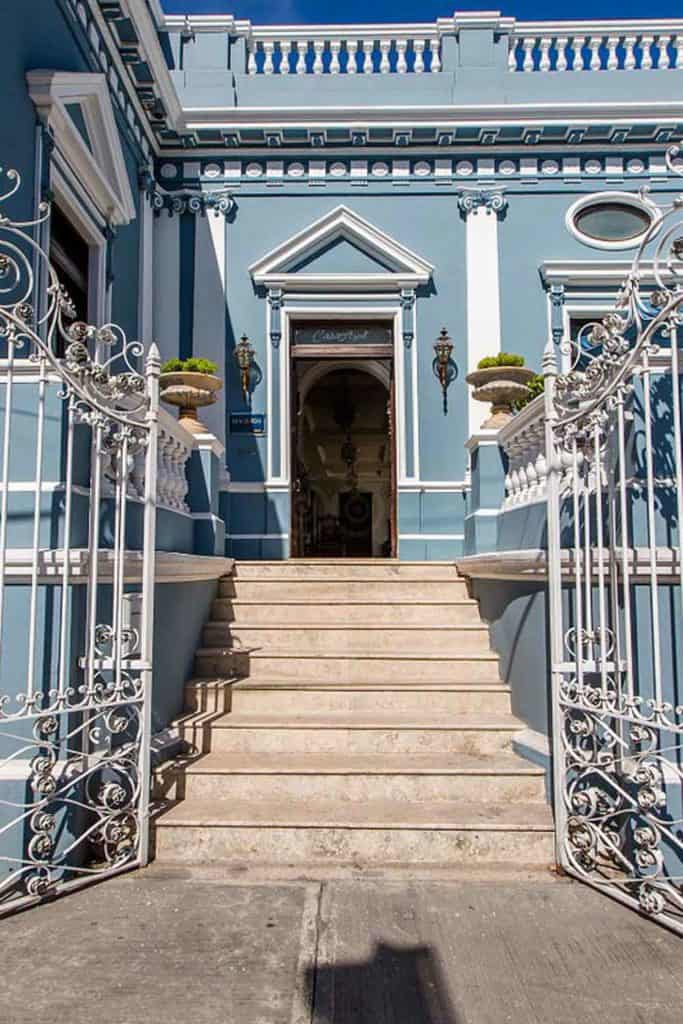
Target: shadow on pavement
395	984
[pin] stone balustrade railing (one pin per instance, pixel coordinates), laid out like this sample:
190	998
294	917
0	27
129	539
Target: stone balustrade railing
174	450
523	441
400	48
175	446
596	46
344	49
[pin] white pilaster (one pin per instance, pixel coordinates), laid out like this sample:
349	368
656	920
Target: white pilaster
166	273
483	292
209	308
146	272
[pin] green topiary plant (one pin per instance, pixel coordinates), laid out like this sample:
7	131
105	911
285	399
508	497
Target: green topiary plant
191	365
501	359
536	386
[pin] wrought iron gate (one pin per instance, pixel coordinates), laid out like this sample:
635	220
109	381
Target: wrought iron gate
77	524
615	508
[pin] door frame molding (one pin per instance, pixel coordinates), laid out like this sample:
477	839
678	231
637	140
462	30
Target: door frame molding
278	397
355	360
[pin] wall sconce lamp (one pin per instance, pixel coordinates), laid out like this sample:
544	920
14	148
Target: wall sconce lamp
244	354
187	32
444	367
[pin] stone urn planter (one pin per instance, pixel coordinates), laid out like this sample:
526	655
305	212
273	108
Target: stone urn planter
189	391
501	386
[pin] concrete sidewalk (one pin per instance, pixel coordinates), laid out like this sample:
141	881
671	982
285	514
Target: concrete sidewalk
164	946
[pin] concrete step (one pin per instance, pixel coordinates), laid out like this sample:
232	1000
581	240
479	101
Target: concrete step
349	639
268	666
304	698
346	613
348	568
291	777
377	733
332	590
347	832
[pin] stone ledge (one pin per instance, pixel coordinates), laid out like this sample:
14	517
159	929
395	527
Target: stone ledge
171	566
533	564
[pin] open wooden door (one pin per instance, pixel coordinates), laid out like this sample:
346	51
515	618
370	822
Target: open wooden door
393	500
295	491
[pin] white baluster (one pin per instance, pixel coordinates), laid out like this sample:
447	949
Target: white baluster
168	466
646	47
367	48
384	46
595	61
434	49
514	476
512	54
528	62
577	47
523	482
418	50
302	50
612	58
162	470
401	65
268	48
183	455
137	475
629	56
318	47
678	45
544	63
170	477
184	485
351	51
561	47
532	477
335	47
178	474
541	471
664	62
251	61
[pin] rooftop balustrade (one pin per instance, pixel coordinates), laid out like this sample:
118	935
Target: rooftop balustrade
418	48
345	50
596	46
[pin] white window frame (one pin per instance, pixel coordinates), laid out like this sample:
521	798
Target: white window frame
71	205
637	202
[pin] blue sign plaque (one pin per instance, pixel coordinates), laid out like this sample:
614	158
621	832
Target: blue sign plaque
247	423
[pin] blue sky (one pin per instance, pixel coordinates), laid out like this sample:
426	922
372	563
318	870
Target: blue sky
312	11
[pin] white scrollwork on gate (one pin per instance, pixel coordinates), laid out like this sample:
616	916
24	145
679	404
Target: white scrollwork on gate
79	412
615	504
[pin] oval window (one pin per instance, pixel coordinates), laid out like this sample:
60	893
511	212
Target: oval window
612	222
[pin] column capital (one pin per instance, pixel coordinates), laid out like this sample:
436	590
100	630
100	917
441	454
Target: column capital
492	200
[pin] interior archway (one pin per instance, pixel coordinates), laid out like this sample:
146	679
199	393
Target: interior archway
343	497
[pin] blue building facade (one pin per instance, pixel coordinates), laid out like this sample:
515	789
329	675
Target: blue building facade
396	178
328	200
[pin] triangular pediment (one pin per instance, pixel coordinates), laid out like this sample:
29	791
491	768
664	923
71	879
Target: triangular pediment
77	109
340	256
341	250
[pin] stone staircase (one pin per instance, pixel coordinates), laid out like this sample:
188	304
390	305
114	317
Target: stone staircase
349	713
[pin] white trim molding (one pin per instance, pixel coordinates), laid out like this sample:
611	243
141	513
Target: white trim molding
608	274
102	171
408	270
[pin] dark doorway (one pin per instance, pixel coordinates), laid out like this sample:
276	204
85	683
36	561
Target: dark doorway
343	493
